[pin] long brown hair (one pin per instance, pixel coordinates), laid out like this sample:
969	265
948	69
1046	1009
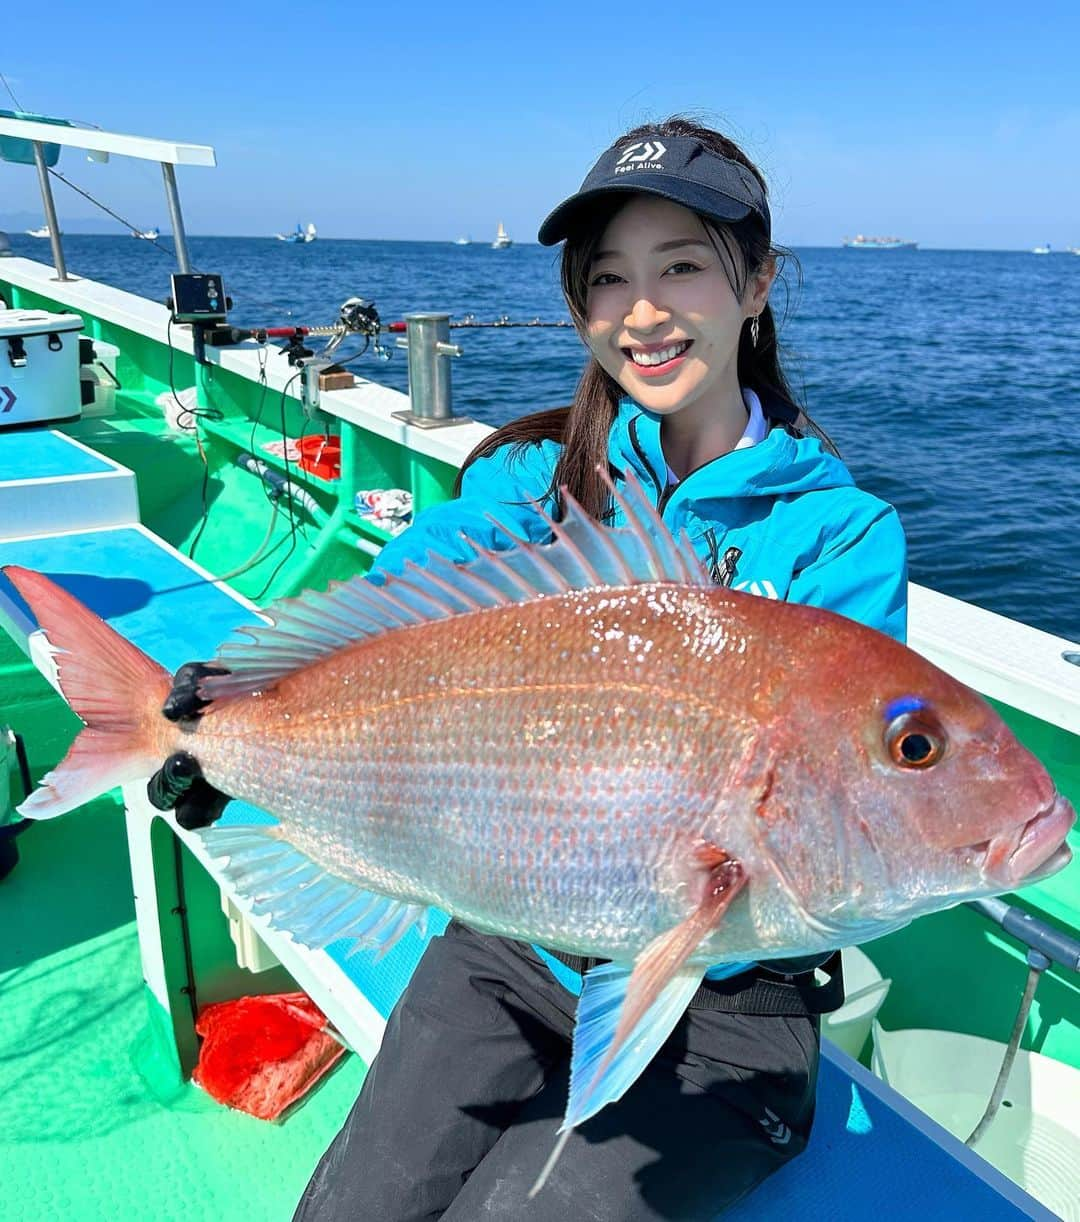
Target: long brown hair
584	426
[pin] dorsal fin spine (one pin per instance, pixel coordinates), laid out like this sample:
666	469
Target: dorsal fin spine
583	554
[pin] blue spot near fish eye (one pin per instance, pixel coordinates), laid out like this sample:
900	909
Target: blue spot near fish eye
906	704
858	1120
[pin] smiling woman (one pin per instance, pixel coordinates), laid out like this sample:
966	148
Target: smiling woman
667	266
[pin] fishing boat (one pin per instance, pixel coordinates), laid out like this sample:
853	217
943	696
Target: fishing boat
502	239
860	242
300	234
121	929
1041	250
147	235
41	232
463	241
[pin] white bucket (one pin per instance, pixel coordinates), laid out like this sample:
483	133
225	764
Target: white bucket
865	989
1035	1137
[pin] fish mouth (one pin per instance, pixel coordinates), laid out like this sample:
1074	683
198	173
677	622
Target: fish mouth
1034	850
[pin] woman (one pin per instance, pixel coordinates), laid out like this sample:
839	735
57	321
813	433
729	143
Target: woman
667	268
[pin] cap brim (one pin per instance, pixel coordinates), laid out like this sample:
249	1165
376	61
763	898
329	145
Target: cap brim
706	201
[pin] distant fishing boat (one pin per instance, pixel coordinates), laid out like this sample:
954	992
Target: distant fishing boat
860	242
43	232
299	234
502	239
147	234
463	241
1041	250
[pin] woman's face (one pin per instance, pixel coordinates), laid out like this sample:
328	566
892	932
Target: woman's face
662	317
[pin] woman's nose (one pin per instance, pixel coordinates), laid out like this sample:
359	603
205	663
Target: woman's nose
645	314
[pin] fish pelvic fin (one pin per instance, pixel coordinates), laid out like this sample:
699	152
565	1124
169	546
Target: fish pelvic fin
113	686
581	554
627	1011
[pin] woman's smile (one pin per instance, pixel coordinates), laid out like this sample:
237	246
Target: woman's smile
655	360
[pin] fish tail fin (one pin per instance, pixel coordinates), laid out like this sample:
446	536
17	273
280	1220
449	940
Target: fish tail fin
113	686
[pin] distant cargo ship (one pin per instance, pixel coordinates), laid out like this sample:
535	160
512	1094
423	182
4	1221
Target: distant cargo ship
859	242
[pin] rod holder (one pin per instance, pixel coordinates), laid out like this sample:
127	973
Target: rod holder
427	341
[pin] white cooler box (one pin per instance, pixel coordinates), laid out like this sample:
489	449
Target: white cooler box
39	366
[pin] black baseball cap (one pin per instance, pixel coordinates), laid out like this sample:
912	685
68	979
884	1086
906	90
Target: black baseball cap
679	168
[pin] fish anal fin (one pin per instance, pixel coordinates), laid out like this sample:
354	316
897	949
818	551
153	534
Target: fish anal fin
275	880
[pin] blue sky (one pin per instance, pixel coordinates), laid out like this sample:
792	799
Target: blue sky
957	124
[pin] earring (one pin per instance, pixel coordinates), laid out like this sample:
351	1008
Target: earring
755	327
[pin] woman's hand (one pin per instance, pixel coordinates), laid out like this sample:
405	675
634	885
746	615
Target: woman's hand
179	785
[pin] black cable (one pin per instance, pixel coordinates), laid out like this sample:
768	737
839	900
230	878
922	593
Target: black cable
292	511
195	413
1037	964
181	912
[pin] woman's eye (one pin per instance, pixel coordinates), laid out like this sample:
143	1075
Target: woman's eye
681	269
603	278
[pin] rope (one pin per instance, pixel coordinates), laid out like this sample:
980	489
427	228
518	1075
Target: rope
1036	969
11	91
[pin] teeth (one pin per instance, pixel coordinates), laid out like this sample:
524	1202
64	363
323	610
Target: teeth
658	358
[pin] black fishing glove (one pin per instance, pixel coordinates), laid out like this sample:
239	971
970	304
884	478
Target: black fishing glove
179	785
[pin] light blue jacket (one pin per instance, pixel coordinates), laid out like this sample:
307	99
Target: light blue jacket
803	531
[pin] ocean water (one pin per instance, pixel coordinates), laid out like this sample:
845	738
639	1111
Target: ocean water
950	380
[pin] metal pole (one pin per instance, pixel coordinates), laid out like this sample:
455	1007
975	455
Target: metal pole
50	211
429	350
175	217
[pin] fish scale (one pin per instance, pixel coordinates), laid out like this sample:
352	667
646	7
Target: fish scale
408	793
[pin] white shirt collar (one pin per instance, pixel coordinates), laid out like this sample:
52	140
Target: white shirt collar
757	427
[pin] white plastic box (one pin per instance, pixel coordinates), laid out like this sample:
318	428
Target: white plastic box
39	367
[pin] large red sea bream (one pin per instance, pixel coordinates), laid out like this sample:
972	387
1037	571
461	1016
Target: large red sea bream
582	744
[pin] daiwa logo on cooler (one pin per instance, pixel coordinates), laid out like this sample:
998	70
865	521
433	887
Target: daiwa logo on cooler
641	155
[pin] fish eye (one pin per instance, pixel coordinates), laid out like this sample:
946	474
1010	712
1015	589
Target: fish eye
915	740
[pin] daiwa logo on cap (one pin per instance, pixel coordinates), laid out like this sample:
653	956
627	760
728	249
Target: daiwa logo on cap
641	155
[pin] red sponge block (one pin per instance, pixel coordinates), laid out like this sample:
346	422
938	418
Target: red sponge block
261	1054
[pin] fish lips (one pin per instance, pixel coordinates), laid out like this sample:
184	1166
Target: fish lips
1033	851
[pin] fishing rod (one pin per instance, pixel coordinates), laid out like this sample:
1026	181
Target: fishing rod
359	316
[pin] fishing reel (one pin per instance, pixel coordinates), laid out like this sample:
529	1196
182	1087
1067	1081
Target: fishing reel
357	316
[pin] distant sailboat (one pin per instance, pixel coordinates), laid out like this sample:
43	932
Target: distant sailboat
299	234
502	239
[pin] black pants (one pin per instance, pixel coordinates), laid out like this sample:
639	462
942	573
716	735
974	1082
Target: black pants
459	1111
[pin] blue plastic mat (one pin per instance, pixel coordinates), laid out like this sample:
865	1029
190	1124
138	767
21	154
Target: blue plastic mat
142	589
42	454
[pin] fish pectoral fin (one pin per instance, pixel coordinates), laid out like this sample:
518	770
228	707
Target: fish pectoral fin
627	1011
275	880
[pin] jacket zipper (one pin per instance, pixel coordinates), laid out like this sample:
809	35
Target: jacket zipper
662	494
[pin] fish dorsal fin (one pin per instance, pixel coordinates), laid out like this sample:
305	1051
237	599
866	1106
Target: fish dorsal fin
581	555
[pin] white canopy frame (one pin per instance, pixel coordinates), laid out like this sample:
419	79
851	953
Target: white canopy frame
167	153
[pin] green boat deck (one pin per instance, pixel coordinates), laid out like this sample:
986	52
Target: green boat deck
99	1119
